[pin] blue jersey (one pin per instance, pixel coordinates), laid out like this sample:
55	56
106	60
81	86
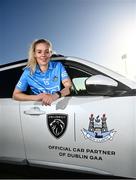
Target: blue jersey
43	82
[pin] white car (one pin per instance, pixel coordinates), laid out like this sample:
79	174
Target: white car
92	130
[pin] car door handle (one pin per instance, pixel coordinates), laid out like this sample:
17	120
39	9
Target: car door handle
34	111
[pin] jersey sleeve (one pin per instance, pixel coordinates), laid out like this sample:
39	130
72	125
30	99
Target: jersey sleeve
23	81
64	74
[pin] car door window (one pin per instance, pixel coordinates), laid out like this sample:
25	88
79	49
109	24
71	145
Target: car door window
79	84
8	80
78	77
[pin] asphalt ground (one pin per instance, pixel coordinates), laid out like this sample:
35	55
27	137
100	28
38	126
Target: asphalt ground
8	171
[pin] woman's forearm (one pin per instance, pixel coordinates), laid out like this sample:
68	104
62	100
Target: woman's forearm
24	97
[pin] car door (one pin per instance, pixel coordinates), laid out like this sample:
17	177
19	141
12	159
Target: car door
46	126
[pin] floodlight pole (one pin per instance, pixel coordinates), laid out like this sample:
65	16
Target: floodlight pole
124	58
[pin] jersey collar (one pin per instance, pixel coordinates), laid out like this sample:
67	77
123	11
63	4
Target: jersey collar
50	66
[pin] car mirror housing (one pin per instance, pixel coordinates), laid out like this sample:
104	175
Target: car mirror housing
100	85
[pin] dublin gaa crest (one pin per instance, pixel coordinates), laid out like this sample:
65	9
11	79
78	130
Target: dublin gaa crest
97	130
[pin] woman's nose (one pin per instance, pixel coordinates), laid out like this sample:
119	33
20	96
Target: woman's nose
43	54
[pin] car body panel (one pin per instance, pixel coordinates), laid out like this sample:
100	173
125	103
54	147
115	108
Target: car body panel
87	132
12	143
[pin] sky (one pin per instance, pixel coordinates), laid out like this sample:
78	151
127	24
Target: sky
101	31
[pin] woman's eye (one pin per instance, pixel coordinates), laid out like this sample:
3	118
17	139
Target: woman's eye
38	51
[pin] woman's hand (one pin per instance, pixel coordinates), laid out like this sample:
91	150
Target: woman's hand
47	99
65	91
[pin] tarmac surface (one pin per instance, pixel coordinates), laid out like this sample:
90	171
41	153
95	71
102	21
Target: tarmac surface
8	171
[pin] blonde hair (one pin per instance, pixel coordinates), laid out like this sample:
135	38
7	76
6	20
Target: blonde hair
31	58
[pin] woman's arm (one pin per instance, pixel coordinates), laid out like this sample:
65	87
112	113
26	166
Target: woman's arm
20	96
46	99
67	85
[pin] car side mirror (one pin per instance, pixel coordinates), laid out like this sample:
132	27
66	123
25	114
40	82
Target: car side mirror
100	85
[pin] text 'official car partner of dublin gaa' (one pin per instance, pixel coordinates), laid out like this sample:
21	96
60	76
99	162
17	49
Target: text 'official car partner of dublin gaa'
91	130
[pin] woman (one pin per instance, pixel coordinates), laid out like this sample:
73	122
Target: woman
44	77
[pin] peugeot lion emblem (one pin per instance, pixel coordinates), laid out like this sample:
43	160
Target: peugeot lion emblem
57	124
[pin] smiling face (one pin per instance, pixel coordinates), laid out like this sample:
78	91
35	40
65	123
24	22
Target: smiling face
42	54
